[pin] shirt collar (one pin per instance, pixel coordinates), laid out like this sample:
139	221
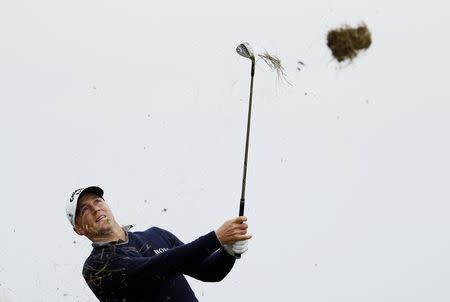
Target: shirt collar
125	228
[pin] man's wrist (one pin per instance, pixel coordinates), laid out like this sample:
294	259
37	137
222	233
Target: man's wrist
218	239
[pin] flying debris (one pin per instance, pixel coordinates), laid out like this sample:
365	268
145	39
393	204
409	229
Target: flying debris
300	63
275	64
346	42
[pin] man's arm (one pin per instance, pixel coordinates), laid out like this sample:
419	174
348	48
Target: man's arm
213	268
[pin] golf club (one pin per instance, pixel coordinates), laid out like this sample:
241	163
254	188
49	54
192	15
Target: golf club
246	51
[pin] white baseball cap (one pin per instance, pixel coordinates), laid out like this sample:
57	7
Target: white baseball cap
71	207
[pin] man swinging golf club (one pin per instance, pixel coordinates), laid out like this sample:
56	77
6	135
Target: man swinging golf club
149	265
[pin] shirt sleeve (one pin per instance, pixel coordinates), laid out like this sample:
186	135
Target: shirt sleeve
213	268
110	269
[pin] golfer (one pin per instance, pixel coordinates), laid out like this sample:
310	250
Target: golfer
149	265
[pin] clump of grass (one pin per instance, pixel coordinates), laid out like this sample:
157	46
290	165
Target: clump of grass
275	64
346	42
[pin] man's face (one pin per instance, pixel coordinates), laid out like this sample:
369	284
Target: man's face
94	218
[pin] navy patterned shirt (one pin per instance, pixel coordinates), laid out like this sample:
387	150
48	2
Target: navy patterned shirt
150	266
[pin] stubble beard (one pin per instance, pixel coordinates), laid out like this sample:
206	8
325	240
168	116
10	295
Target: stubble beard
100	230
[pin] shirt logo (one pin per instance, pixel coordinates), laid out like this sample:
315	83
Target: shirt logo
160	250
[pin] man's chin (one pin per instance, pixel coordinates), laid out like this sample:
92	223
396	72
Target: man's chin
103	227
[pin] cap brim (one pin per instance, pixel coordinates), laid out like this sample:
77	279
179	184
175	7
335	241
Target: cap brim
93	189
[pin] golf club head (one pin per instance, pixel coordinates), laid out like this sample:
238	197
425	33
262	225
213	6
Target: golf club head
245	50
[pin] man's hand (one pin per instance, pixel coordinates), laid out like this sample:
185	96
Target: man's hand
233	230
239	247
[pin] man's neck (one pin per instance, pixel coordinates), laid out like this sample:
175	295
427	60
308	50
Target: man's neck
116	233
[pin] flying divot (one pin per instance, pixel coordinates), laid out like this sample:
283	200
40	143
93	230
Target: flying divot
346	42
275	64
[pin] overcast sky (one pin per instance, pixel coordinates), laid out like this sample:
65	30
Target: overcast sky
347	190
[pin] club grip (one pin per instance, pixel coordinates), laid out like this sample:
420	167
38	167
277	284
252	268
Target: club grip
241	213
241	207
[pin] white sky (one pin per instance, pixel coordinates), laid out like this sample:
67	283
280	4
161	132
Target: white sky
347	193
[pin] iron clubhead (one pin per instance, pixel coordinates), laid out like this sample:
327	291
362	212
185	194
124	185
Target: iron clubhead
245	50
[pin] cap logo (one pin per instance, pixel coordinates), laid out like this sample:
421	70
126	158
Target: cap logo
76	192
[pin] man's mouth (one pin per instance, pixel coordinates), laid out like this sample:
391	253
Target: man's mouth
100	218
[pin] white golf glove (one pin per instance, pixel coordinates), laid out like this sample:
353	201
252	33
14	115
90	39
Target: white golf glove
239	247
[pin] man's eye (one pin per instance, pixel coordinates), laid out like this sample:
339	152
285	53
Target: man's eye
83	210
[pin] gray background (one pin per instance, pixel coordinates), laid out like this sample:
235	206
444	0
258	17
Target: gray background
347	193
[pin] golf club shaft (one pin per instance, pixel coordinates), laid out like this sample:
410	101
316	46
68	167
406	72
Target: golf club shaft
244	176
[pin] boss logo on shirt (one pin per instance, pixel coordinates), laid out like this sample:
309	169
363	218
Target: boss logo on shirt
160	250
